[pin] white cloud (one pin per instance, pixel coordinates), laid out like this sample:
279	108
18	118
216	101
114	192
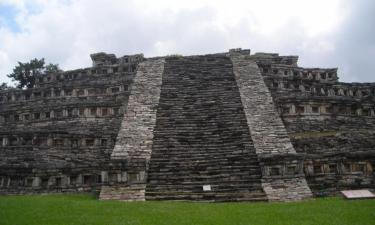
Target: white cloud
66	32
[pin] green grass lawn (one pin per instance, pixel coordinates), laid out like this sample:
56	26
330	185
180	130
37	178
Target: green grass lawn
84	209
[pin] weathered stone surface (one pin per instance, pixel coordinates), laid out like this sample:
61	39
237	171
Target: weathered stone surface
253	127
268	134
135	137
332	123
134	192
201	137
267	129
58	136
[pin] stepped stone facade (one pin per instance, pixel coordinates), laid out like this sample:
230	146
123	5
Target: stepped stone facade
231	126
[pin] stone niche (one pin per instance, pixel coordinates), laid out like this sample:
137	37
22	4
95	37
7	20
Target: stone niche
282	165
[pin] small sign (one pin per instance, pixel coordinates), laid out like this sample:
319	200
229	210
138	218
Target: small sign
206	187
358	194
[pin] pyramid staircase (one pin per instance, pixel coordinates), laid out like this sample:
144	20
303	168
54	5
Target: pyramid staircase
201	137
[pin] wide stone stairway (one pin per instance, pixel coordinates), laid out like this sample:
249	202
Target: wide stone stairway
201	137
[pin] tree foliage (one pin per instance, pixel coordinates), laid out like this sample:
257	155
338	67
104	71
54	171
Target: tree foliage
52	68
24	74
4	86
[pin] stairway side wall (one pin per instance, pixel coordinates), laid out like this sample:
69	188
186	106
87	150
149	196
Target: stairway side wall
282	171
134	141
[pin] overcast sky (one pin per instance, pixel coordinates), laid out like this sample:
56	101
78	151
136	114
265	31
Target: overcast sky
324	33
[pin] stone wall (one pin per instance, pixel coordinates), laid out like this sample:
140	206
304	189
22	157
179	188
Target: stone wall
58	136
330	122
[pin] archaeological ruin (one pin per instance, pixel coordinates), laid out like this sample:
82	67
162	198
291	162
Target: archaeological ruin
230	126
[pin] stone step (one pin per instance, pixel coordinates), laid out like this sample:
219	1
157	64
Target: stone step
218	186
201	136
135	192
203	161
208	196
203	176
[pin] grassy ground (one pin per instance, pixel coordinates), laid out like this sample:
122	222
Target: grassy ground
84	209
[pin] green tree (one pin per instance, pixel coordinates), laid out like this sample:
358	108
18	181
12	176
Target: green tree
52	68
4	86
24	74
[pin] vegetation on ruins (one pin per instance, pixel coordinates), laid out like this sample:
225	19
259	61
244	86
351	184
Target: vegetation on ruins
174	56
4	86
85	209
24	74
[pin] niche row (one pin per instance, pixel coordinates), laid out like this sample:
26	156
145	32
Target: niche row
349	167
82	73
56	141
318	168
35	94
310	74
71	180
84	112
323	91
316	109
